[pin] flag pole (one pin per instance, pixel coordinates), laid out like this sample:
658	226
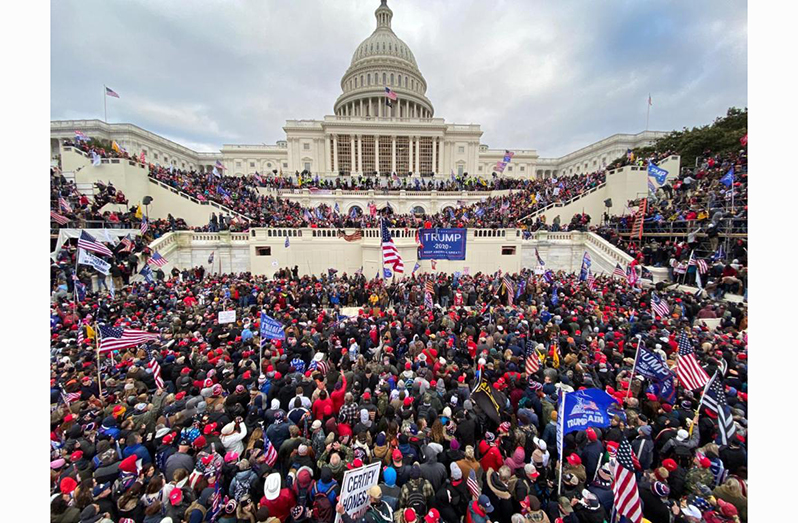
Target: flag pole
97	345
648	109
105	103
561	423
701	402
634	366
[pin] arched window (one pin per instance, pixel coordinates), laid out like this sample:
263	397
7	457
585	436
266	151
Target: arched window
405	82
384	76
418	209
399	83
368	77
361	81
391	78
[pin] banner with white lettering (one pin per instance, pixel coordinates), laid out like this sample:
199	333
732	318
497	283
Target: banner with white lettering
442	244
87	258
354	490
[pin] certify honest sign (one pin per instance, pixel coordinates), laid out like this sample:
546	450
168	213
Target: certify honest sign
354	490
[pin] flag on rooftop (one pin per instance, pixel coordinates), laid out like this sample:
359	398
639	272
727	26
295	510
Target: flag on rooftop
110	92
117	338
88	242
390	94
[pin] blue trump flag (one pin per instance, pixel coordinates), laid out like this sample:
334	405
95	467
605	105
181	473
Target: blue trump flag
728	178
587	408
270	329
386	273
657	173
651	366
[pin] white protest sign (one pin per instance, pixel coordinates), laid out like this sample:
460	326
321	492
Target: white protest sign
87	258
539	269
227	316
354	490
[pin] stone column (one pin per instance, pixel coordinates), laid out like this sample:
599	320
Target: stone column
352	153
335	154
361	107
393	154
377	152
409	153
418	154
327	153
434	157
359	154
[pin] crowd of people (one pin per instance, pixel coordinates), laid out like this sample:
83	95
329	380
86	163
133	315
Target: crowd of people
465	182
209	422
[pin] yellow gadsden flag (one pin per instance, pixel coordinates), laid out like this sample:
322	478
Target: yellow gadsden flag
89	332
139	214
115	146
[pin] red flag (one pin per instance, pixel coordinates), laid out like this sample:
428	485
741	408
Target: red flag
744	140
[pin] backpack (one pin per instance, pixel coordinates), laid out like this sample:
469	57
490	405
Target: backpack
415	497
302	497
241	488
323	510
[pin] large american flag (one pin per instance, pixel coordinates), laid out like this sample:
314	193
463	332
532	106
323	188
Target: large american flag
90	243
116	338
659	306
390	254
157	259
715	400
144	225
591	281
625	493
699	263
127	244
111	92
473	486
156	372
269	451
619	271
59	219
532	359
689	372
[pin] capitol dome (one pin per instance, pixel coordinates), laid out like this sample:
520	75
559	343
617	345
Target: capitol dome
383	60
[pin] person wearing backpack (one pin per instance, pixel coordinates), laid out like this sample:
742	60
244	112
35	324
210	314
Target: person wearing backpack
243	480
301	488
417	493
324	496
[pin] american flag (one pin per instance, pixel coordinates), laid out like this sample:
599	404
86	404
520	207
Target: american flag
111	92
532	359
156	372
390	94
219	165
434	265
80	136
355	236
619	271
64	204
508	286
473	486
269	451
625	493
116	338
699	263
591	281
144	225
60	220
428	290
659	306
631	275
157	259
715	400
689	372
88	242
127	244
216	503
390	254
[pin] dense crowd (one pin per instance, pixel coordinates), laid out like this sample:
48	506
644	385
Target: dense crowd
464	182
241	195
240	430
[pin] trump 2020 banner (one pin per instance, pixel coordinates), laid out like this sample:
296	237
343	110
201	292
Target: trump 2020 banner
442	244
588	408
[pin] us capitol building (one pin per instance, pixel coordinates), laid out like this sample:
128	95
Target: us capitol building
365	135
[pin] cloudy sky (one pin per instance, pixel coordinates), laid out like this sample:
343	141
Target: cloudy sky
552	76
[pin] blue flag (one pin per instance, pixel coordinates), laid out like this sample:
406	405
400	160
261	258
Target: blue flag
657	173
588	408
81	290
337	209
416	267
586	263
554	298
270	329
287	243
651	366
386	272
147	273
548	276
728	179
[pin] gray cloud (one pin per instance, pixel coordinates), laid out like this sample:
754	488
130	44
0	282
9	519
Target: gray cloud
551	76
